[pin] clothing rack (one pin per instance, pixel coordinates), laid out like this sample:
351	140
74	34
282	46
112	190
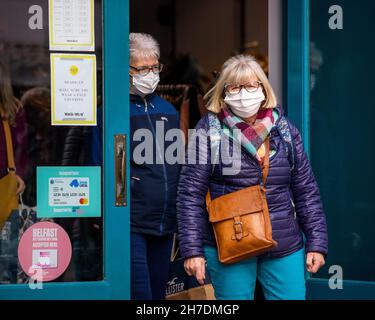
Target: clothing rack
180	96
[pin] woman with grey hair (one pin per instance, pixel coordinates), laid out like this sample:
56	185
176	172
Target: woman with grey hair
153	183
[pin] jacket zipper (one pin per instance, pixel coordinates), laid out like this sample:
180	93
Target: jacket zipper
164	169
294	209
145	102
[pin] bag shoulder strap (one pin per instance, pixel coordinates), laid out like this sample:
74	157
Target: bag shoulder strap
265	170
285	134
9	144
215	138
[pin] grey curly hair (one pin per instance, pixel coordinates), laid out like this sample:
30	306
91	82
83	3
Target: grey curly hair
143	46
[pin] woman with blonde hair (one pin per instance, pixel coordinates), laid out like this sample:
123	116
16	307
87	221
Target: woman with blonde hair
13	161
244	100
13	115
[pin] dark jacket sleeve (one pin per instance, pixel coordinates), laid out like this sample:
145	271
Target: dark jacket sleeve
192	188
307	200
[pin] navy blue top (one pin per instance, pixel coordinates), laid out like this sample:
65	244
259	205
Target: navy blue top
153	186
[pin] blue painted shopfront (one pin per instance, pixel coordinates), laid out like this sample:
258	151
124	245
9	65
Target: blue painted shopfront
327	93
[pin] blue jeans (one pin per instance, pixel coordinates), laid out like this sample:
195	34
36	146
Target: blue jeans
150	259
281	278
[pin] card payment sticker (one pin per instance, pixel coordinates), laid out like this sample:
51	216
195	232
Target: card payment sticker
69	191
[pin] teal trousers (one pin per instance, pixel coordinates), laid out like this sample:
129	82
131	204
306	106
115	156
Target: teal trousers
281	278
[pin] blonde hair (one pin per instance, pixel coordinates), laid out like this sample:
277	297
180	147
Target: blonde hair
143	46
9	105
238	70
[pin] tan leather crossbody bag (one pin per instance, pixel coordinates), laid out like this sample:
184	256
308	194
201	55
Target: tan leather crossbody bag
241	220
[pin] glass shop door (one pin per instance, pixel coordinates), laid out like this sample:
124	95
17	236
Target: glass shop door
67	63
329	72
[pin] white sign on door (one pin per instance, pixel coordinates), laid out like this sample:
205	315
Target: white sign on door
73	89
71	25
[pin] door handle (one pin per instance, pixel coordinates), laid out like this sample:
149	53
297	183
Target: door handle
120	170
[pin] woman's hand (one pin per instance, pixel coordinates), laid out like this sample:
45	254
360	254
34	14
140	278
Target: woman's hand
314	261
196	267
20	185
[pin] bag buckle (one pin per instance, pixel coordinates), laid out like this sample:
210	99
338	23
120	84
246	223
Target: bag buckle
238	229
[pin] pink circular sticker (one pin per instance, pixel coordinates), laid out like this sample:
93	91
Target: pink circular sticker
44	251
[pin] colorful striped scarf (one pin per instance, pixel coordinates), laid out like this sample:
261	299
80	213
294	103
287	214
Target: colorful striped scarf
253	136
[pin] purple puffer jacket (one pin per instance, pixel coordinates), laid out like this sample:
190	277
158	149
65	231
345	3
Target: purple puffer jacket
284	188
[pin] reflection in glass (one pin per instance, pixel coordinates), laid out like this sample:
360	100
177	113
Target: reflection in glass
341	134
26	53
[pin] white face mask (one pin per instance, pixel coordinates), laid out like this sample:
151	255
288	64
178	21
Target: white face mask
245	104
144	85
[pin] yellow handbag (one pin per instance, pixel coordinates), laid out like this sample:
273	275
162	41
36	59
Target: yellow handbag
8	184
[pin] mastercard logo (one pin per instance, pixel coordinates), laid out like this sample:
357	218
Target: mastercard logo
83	201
